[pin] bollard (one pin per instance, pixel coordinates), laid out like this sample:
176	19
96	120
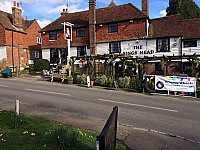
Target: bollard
17	107
88	81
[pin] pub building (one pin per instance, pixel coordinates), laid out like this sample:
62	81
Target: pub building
122	29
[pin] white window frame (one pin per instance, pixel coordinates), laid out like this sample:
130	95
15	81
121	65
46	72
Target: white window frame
39	40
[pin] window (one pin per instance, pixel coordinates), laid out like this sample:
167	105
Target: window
157	66
39	40
115	47
112	28
80	32
53	35
54	55
190	43
58	55
36	54
81	51
163	45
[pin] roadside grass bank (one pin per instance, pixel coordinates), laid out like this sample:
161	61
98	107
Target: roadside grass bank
24	132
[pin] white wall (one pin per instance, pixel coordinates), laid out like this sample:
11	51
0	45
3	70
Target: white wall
147	48
46	54
103	48
3	53
73	51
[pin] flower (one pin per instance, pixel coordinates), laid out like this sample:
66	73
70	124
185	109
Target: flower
80	132
2	139
32	134
1	135
25	132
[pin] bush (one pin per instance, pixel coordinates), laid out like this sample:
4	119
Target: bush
101	80
124	82
81	79
41	64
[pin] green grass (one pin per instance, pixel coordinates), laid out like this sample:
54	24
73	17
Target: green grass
48	134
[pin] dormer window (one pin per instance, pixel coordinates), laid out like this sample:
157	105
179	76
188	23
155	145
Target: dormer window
113	27
39	41
52	35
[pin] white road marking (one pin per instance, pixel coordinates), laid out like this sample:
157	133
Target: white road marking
3	86
48	92
164	109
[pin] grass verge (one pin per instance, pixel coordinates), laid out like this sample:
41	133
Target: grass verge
23	132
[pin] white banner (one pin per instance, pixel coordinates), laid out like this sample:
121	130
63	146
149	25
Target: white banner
175	83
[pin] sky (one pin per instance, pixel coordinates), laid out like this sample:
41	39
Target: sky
46	11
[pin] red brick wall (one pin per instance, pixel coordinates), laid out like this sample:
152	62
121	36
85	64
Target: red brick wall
2	35
18	38
18	53
61	42
23	42
126	30
173	68
32	34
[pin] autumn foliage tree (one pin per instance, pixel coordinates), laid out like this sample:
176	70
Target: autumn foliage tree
188	9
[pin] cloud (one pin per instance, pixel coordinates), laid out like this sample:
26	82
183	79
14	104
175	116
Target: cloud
163	13
6	6
43	23
59	9
56	10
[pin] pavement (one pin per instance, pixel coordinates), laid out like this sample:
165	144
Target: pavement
133	138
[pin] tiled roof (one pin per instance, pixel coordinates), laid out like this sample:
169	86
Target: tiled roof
175	26
191	28
103	15
6	21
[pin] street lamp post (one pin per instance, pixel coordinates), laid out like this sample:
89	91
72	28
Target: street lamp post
68	37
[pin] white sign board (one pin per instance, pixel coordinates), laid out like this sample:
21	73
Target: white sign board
175	83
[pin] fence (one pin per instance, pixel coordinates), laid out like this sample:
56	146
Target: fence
107	139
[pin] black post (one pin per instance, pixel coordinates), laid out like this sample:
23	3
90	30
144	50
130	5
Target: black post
13	64
107	139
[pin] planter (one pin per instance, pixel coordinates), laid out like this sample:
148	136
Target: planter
198	94
92	83
110	85
69	81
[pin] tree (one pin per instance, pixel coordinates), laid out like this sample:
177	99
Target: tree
187	8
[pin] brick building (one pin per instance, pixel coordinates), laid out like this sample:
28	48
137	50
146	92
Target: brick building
123	29
19	39
112	26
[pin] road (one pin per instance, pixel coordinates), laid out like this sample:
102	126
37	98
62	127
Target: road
170	115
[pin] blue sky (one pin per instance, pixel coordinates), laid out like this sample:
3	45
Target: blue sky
46	11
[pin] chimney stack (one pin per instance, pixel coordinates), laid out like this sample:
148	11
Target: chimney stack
17	15
92	30
26	18
145	7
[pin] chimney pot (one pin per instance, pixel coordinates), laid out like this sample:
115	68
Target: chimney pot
26	18
18	5
67	10
63	10
14	3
